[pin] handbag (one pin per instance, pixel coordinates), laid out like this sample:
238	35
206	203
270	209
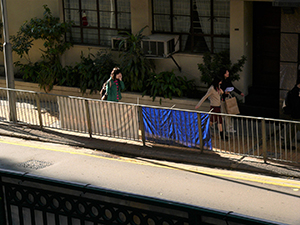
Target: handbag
231	105
103	91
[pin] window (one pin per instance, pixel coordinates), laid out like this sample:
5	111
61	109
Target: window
97	21
202	24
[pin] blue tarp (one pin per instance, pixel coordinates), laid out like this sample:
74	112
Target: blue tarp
175	127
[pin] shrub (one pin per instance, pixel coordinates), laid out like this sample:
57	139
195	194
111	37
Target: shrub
213	63
167	85
93	71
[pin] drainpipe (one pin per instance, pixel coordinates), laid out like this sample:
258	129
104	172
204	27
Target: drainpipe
8	65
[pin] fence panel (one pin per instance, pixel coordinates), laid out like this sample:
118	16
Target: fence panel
4	106
245	140
72	114
49	110
114	119
283	140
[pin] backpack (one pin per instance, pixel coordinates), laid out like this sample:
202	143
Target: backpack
287	108
103	93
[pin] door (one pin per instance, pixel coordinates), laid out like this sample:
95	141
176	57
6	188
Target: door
266	45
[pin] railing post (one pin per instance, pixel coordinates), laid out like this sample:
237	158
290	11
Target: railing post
194	218
88	117
141	124
8	65
264	139
38	104
200	131
2	204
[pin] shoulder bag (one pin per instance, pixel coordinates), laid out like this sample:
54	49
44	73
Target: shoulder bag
231	105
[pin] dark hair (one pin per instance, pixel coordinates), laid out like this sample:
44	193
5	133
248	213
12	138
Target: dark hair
298	80
222	72
114	72
215	82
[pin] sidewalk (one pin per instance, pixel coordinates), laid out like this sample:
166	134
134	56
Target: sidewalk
153	151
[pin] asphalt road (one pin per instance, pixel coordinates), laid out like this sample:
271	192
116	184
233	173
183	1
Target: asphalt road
270	198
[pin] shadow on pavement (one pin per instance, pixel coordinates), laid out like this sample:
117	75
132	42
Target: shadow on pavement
153	151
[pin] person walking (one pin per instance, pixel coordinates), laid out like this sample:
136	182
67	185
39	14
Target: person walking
115	85
214	93
227	87
293	102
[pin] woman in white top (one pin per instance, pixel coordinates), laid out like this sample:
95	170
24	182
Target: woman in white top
214	94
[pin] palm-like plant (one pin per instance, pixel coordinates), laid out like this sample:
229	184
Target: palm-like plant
135	66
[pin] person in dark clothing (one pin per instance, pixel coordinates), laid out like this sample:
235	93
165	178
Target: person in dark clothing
293	102
227	87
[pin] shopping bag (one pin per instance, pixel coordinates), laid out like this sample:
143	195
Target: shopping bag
231	105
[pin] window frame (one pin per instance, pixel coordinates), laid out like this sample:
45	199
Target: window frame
116	13
192	33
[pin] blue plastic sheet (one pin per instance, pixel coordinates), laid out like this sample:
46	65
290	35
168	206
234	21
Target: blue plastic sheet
175	127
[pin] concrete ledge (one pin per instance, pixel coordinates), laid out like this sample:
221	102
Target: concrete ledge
128	97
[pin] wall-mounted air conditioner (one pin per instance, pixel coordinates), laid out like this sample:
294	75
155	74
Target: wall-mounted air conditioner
160	45
115	42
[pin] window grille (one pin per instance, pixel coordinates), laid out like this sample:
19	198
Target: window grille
202	24
96	21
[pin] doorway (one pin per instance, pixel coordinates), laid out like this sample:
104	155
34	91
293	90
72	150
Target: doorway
264	92
266	44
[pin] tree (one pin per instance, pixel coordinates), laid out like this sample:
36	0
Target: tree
213	63
52	32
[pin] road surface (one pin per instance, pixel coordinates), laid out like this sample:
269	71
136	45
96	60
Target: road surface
270	198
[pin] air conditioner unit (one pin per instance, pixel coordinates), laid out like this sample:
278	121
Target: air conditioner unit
115	42
160	45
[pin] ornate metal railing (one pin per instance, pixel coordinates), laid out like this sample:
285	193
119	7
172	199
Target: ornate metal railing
26	199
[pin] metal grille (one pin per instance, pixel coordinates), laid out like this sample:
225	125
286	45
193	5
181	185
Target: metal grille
30	200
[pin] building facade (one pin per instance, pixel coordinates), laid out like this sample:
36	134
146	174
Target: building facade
266	32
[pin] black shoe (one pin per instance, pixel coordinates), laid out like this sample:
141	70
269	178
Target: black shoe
288	147
223	136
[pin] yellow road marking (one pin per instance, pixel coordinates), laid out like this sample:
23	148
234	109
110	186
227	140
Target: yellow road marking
245	177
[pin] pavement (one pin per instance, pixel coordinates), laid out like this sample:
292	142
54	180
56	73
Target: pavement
154	151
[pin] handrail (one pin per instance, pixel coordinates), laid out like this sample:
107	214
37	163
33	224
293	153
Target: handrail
261	137
43	196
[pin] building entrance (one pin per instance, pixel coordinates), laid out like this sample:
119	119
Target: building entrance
266	58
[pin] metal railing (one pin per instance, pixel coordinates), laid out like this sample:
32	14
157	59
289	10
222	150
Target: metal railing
28	199
254	136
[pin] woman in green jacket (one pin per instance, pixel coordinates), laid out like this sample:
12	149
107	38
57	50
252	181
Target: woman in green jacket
115	85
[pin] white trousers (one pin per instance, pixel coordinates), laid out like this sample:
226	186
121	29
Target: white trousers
228	119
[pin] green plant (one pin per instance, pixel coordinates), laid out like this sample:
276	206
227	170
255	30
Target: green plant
50	30
213	63
167	85
135	66
93	71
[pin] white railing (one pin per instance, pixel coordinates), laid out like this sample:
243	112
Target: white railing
255	136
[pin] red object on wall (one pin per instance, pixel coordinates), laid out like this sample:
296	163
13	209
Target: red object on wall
84	19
